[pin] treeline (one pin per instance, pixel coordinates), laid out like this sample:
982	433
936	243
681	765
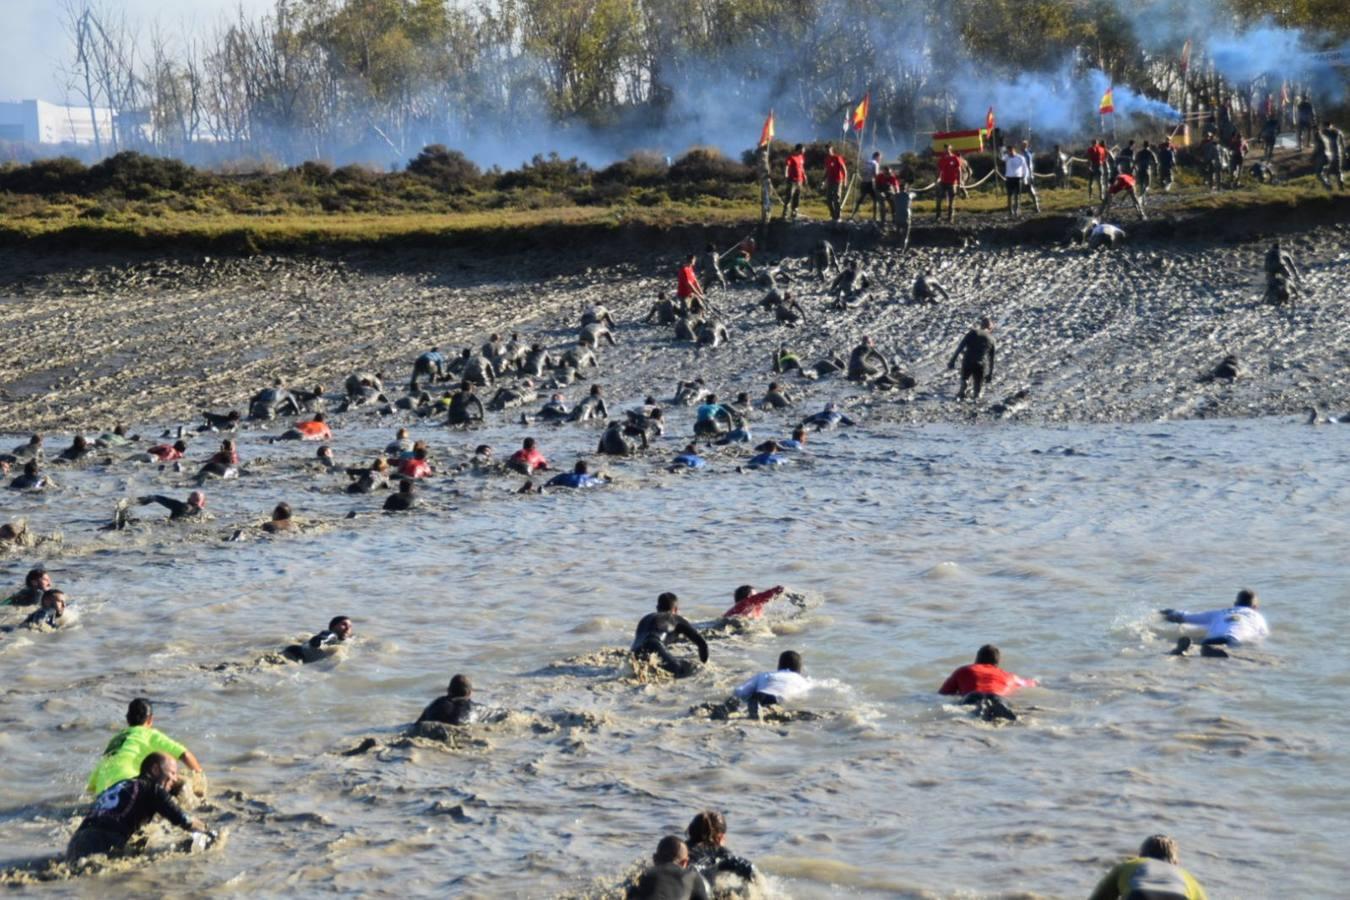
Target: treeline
375	80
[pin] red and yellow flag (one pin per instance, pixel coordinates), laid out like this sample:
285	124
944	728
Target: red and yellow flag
1284	94
859	118
766	134
1108	104
989	120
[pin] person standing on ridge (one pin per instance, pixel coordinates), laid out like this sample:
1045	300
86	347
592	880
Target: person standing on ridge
794	171
836	176
949	176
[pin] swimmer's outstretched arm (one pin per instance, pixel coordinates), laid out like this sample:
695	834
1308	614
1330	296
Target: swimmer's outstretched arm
175	507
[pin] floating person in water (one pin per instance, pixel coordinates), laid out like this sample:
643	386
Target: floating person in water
283	519
456	707
129	748
35	584
323	644
766	458
315	429
31	478
984	685
367	480
828	417
223	463
47	615
123	808
219	421
658	629
1234	626
670	877
750	605
403	500
1155	873
708	854
688	459
579	477
528	459
772	688
976	351
179	510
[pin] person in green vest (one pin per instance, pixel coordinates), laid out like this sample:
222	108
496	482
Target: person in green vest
124	754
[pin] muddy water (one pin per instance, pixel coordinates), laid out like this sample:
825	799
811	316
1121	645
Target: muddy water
911	545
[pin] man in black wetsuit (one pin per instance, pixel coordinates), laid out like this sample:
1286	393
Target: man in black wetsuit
865	362
926	289
127	806
402	501
658	629
338	630
35	584
465	407
220	422
670	877
977	357
592	407
178	510
455	708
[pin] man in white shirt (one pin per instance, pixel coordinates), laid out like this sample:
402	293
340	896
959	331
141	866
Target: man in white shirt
1103	233
1029	180
1237	625
868	189
1014	172
772	688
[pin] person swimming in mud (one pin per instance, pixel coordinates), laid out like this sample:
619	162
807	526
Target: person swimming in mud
591	407
828	417
179	510
222	464
772	688
315	429
35	584
750	605
47	615
430	365
219	421
125	807
579	477
283	520
320	646
456	707
866	361
31	478
128	749
1235	626
658	629
976	352
367	480
1155	873
984	685
670	876
708	854
403	500
528	459
465	407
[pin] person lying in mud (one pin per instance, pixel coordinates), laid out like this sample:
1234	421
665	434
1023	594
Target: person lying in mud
866	362
976	351
579	477
35	584
708	854
767	458
1155	872
664	311
686	328
712	333
649	420
465	407
456	707
124	808
512	397
772	688
79	448
323	644
829	417
670	877
984	685
30	449
325	457
615	440
741	270
179	510
315	429
219	421
30	479
658	629
418	465
123	756
592	334
272	402
794	444
223	463
1104	234
688	393
1235	626
363	389
403	500
371	479
283	520
775	397
167	453
555	410
592	407
927	289
849	285
688	458
47	615
312	401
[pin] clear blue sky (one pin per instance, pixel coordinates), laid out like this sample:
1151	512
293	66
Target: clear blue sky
34	46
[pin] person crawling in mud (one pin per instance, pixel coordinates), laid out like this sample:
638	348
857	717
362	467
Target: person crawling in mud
828	417
976	351
984	685
658	629
866	362
670	877
465	407
127	806
272	402
927	289
772	688
178	509
456	707
322	644
219	421
664	311
591	407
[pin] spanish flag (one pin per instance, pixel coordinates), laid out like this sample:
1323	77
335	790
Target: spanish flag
766	135
859	117
1108	104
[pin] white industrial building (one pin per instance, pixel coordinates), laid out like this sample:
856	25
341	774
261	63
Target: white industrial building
40	122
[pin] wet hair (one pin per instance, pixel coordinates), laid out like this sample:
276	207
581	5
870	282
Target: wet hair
527	444
670	849
773	385
334	622
53	596
595	390
799	433
420	451
581	468
829	148
690	448
481	449
139	711
227	444
405	486
381	464
708	827
790	659
79	443
711	398
666	602
742	592
282	511
401	433
460	686
466	385
180	445
319	417
34	575
986	322
988	655
30	467
1160	846
1247	597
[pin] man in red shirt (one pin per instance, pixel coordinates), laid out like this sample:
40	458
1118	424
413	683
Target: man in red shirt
836	174
1096	157
795	173
528	459
887	186
687	285
1123	184
984	684
750	605
949	176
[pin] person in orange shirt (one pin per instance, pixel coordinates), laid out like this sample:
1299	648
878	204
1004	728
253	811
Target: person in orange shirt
836	175
794	171
687	284
949	178
315	429
984	685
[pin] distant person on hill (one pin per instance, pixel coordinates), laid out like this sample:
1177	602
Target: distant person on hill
949	177
794	173
1307	121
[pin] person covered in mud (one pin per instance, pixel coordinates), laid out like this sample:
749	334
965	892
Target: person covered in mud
222	464
417	465
30	479
512	397
430	365
283	520
35	585
125	807
1155	872
1279	262
323	644
364	389
866	362
47	615
579	477
786	309
776	397
712	333
742	270
823	259
528	459
315	429
710	269
670	877
592	407
167	453
555	410
688	393
850	284
828	417
579	357
656	630
368	480
984	685
179	510
465	407
664	311
79	448
772	688
614	440
219	421
796	443
30	449
976	352
1235	626
311	401
123	756
649	420
1104	234
686	328
537	361
927	289
476	369
273	401
708	854
456	707
404	499
593	333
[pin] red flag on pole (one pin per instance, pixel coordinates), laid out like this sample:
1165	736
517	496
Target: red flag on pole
859	118
989	120
1108	104
766	134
